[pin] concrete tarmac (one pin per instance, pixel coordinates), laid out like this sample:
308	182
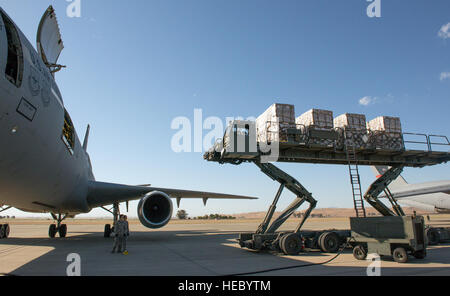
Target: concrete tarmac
184	249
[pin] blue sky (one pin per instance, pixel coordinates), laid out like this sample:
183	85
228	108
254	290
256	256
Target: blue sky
133	66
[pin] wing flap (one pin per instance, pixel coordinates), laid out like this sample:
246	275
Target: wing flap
101	193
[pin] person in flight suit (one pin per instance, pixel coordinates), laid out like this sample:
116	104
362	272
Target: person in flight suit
120	230
126	234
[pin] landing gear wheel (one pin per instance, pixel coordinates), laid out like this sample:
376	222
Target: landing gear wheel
400	255
62	230
359	252
2	232
7	229
420	254
52	230
107	232
329	242
291	244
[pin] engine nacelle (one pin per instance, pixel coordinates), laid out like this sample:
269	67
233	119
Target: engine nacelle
155	209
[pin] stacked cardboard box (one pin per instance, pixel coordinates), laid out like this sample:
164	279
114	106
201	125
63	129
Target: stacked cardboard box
272	125
386	133
352	130
386	124
317	120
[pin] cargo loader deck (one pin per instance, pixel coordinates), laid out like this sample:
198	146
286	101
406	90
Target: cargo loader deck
240	145
301	153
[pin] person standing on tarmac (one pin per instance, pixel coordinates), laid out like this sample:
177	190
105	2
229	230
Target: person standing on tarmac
126	234
120	230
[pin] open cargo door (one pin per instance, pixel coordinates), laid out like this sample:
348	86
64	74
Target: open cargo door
49	42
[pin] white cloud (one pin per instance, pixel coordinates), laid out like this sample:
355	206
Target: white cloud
367	100
445	75
444	32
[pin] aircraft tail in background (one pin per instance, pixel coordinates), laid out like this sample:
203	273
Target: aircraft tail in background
396	184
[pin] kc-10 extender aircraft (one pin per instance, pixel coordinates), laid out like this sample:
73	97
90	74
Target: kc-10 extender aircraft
43	166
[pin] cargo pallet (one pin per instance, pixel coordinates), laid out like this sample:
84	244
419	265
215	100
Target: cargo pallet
239	145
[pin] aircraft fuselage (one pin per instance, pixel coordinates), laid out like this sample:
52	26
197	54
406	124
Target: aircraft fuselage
39	171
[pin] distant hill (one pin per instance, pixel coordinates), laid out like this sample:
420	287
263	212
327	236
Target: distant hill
327	212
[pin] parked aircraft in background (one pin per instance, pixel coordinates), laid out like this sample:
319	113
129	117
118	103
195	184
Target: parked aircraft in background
430	196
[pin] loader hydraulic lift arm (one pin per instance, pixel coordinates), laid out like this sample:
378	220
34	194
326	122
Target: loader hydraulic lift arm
286	181
380	185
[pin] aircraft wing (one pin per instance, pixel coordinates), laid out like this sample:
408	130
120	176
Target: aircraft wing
421	191
101	194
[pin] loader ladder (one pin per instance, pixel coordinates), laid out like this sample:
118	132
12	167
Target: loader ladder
355	180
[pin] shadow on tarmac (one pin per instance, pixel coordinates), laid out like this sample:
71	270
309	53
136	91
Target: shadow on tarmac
188	253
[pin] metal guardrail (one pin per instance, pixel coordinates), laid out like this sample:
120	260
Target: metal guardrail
336	139
427	140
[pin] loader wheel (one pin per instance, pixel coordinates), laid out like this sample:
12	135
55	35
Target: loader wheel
319	240
420	254
359	252
400	255
291	244
433	236
329	242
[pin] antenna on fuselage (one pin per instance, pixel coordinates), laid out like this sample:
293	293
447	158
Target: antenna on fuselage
86	138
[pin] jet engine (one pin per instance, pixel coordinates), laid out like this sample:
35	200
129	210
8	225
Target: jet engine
155	209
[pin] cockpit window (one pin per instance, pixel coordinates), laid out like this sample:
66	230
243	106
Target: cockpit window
14	62
68	133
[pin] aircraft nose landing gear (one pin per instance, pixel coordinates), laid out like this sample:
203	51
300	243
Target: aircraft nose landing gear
4	228
4	231
58	228
116	212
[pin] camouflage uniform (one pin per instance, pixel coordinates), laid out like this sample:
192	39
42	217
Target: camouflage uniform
121	232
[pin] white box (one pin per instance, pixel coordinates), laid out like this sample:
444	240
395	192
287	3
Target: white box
271	126
351	121
386	124
317	119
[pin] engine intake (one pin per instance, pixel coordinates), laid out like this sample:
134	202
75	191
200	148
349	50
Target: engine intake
155	209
